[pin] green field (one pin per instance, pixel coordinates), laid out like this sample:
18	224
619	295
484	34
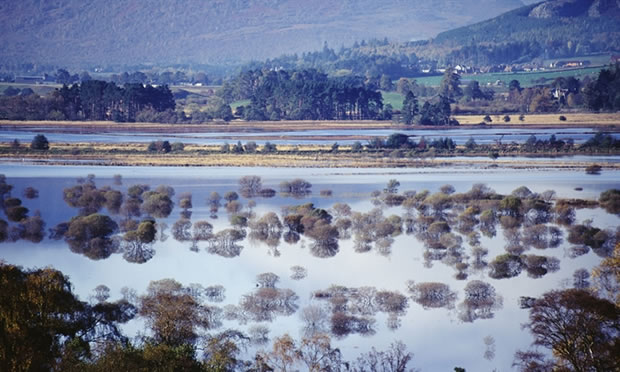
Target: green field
393	98
597	60
236	104
526	79
40	89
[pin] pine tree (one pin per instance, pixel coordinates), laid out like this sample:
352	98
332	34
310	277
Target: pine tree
410	108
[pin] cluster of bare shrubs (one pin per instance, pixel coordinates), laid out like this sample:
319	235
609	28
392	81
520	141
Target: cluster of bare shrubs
265	303
353	310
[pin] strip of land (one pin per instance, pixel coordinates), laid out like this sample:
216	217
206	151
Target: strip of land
321	156
605	121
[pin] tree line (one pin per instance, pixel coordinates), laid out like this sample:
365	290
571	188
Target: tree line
303	95
604	92
90	100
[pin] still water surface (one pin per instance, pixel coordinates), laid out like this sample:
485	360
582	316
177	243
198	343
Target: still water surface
321	137
439	340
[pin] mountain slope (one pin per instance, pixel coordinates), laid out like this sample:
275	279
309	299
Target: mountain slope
550	20
545	30
75	32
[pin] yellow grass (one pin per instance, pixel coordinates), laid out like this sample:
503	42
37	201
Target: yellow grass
572	119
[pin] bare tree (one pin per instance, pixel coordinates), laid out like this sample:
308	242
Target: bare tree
480	301
267	280
489	351
202	231
250	186
298	272
102	293
315	319
215	293
395	359
259	334
317	354
174	316
432	294
224	243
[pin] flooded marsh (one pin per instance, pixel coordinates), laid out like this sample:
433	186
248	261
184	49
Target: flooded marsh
431	257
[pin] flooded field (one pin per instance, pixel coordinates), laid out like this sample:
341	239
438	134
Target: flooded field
377	269
306	137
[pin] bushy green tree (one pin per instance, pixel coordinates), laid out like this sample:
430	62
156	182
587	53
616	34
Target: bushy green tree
44	323
410	108
604	92
40	142
450	86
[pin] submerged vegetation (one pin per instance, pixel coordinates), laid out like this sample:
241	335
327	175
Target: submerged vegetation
293	275
184	324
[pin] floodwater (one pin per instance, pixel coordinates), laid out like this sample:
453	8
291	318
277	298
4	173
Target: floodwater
310	137
438	339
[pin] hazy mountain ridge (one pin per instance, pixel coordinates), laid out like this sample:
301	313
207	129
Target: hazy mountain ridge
116	32
520	36
557	28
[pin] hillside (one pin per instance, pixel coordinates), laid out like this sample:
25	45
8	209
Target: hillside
550	20
87	32
553	29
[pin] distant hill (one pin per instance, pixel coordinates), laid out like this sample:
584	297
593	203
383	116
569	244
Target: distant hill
545	30
87	32
552	29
